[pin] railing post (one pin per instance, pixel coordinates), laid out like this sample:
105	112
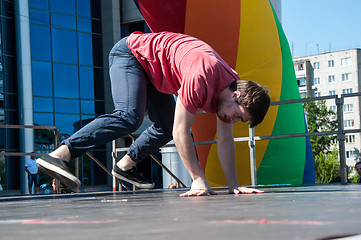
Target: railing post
252	151
341	139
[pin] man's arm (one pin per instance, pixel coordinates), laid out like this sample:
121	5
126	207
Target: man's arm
227	156
183	121
26	169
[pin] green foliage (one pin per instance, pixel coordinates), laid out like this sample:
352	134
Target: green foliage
354	178
320	119
326	166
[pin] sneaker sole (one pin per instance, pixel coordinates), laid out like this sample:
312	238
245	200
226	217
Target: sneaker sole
139	185
58	173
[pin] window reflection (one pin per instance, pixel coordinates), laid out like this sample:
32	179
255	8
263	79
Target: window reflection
43	104
66	81
63	6
84	24
2	117
64	46
66	123
66	106
86	83
40	43
42	83
87	107
39	4
63	21
39	17
85	49
43	119
83	8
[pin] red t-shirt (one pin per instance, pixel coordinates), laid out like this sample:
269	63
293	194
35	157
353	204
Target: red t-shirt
183	65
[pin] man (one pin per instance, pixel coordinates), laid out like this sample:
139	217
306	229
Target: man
33	174
145	71
338	178
358	169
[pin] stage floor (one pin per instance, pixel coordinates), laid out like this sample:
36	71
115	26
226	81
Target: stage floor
305	212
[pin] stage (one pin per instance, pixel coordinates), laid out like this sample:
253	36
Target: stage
282	212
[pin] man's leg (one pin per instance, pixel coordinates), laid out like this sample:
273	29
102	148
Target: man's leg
30	182
37	183
128	82
161	112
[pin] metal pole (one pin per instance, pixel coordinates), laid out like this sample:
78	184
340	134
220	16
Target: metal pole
252	151
341	139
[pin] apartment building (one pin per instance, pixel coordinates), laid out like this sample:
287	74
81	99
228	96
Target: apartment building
334	73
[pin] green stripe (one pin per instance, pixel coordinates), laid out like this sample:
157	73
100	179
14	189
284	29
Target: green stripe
284	159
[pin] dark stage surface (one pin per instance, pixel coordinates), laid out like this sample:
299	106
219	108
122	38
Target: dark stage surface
307	212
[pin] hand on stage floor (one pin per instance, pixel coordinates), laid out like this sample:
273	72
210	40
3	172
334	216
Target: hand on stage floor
199	188
244	190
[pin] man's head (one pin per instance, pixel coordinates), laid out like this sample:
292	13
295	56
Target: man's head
253	98
358	168
339	170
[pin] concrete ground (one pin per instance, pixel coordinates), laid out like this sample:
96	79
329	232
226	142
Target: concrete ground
289	212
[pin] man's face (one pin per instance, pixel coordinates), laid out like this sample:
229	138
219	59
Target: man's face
358	169
232	111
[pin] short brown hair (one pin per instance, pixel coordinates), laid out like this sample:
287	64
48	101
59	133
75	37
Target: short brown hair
254	98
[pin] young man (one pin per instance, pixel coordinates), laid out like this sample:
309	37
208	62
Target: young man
358	169
33	174
145	71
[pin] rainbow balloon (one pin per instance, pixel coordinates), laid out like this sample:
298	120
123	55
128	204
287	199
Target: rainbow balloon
249	37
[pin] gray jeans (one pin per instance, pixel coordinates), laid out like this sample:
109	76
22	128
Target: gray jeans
132	94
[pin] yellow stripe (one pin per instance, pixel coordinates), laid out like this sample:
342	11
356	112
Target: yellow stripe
259	59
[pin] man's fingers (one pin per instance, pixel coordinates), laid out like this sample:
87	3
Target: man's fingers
197	192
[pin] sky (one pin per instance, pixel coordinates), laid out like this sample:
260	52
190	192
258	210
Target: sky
316	26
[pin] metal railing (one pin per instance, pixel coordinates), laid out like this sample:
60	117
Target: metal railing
252	139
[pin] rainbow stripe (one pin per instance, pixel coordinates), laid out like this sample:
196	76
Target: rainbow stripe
249	37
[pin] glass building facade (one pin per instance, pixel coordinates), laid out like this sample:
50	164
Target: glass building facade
8	94
67	75
68	42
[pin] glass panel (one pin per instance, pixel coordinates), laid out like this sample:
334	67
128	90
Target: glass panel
86	83
9	42
42	4
66	82
39	17
99	83
85	49
1	44
63	21
40	43
43	138
63	6
43	104
42	79
87	107
83	8
64	46
67	123
43	119
2	116
66	106
96	26
84	25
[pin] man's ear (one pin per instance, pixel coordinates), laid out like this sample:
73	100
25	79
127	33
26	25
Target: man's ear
236	94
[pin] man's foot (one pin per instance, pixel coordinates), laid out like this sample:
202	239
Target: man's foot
58	169
132	176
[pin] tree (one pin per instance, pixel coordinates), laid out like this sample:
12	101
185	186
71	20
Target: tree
320	119
326	166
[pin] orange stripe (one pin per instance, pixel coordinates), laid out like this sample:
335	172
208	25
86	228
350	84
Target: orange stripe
203	21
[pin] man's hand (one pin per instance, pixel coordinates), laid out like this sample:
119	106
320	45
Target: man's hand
244	190
199	188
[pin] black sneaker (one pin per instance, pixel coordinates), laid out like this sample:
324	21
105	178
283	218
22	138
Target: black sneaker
132	176
58	169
